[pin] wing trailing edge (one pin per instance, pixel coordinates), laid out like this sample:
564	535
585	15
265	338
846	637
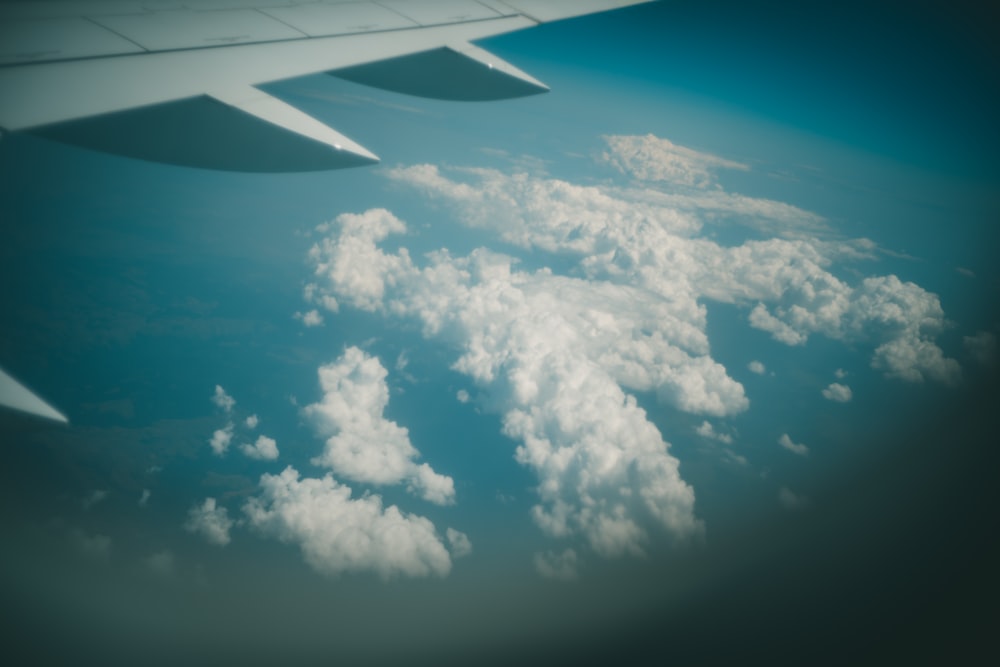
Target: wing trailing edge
240	128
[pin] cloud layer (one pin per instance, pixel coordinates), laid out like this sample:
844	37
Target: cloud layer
558	356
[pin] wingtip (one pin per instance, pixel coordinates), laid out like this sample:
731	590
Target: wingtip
16	396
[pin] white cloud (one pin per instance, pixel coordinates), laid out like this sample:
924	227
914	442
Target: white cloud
790	500
651	158
251	422
265	449
161	563
223	400
144	498
756	367
793	447
706	430
459	543
462	396
555	355
644	239
361	444
561	566
310	318
553	352
840	373
838	392
339	534
982	347
96	496
210	521
221	439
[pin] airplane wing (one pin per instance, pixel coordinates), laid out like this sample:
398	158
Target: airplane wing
175	81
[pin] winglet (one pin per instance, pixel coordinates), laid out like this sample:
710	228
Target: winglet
460	72
15	395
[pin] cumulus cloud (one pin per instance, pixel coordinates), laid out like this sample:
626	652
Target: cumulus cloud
210	521
339	534
838	392
362	445
645	239
652	158
795	448
756	367
251	422
265	449
310	318
222	400
144	498
982	347
554	353
459	543
706	430
462	396
840	373
221	439
561	566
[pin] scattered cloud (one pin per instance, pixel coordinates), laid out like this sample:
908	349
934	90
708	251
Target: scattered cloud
144	498
459	543
838	392
553	353
222	400
840	373
96	496
221	439
339	534
265	449
968	273
982	347
361	444
556	356
790	500
161	563
462	396
251	422
562	566
643	239
793	447
210	521
310	318
706	430
756	367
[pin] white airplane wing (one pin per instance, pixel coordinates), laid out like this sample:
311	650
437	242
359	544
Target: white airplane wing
176	81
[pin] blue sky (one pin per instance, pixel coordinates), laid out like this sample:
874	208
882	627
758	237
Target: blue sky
777	516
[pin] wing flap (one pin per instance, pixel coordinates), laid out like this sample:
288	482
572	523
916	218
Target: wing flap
463	72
